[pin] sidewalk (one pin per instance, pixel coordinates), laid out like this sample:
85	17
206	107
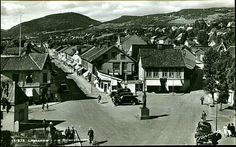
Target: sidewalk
40	105
88	88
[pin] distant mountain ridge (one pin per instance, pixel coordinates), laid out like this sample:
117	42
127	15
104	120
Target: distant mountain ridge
71	20
60	21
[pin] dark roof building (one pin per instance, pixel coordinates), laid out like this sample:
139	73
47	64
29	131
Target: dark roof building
32	61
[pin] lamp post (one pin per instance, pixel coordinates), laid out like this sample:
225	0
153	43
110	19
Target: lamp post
216	115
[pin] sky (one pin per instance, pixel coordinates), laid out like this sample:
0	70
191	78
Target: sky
99	10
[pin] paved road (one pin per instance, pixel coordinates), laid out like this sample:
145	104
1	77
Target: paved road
174	119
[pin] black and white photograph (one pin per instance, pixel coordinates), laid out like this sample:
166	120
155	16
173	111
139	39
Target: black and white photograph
117	73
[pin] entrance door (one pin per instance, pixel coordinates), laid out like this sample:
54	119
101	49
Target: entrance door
21	115
163	84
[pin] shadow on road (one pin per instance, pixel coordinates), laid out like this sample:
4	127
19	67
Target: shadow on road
104	102
33	124
97	143
157	116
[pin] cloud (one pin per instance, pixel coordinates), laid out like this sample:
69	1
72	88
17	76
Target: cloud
99	10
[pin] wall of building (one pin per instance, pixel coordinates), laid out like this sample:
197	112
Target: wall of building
21	108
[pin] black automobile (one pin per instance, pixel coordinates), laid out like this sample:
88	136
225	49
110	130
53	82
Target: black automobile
125	99
121	90
63	88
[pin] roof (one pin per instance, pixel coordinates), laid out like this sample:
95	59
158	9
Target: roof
162	38
134	38
105	35
69	50
32	61
137	47
156	58
96	52
189	59
13	51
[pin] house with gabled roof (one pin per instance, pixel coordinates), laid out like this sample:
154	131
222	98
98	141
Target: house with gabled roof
125	43
165	70
32	73
110	61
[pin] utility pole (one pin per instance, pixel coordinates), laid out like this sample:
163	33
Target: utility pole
20	38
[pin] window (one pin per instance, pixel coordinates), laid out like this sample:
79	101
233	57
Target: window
178	74
29	78
124	66
45	77
149	73
116	66
15	77
156	74
171	74
113	55
122	57
164	74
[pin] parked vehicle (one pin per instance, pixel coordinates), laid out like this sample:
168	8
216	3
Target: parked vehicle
125	99
63	88
118	91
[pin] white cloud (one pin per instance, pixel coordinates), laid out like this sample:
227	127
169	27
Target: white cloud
99	10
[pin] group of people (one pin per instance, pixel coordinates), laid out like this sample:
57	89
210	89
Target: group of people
70	133
229	130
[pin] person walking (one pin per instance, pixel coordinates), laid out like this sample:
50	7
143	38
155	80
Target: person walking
47	106
72	135
52	132
202	100
99	98
44	125
204	115
67	133
90	135
232	129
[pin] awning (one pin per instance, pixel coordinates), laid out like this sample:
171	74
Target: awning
153	83
174	83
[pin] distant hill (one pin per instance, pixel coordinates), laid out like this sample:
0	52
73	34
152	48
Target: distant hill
183	16
54	22
122	19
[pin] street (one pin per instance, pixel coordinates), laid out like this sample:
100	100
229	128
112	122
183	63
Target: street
173	118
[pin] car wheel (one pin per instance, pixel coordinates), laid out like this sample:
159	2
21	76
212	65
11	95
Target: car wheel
133	103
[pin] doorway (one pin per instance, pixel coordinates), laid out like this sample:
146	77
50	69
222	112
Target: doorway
163	85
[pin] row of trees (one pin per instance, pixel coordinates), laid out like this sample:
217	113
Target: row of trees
219	74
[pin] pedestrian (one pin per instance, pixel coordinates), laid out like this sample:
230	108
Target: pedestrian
72	135
204	115
90	135
52	130
225	129
43	106
99	98
229	130
47	106
232	129
67	133
202	100
44	125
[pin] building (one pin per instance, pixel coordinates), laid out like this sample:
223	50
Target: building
165	70
109	62
125	43
32	72
16	105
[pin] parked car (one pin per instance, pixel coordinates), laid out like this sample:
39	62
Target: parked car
118	91
63	88
125	99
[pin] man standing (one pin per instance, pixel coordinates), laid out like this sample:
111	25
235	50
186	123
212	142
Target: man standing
44	125
202	99
90	135
99	98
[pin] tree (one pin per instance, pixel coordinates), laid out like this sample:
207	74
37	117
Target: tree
210	69
223	87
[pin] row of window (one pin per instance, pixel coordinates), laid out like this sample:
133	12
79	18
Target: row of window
165	74
116	66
